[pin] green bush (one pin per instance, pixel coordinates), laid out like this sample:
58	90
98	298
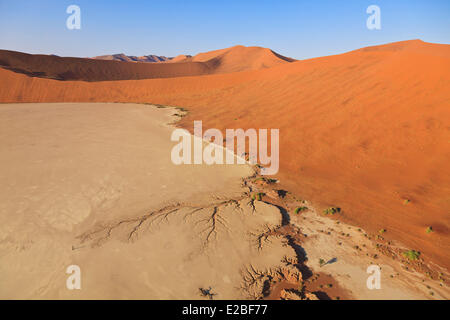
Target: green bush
266	180
412	254
300	209
259	196
332	210
322	262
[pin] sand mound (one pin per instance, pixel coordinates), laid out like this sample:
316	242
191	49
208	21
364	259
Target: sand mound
366	131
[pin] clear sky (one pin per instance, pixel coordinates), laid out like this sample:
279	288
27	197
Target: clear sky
296	28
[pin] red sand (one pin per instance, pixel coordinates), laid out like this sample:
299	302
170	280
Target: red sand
363	130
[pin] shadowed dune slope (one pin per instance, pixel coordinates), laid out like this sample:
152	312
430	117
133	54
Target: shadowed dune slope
121	67
364	131
53	67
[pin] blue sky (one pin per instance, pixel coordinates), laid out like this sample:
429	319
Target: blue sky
295	28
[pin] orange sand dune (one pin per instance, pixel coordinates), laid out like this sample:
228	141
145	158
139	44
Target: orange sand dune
110	68
364	130
238	58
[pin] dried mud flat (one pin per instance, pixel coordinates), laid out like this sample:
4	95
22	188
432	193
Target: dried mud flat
93	185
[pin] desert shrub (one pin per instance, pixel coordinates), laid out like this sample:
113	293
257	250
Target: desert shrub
412	254
257	196
207	293
300	209
266	180
321	262
429	229
332	210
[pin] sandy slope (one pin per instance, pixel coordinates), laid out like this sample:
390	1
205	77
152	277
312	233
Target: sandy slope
364	131
93	185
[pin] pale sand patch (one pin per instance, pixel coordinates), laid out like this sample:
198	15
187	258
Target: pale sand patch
348	265
87	184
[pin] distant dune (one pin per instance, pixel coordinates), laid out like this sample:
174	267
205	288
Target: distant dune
238	58
121	67
53	67
122	57
367	130
179	58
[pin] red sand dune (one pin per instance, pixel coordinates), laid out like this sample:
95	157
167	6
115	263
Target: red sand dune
238	58
363	130
48	66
